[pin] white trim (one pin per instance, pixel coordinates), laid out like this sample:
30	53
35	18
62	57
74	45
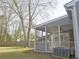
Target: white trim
46	38
76	35
59	35
35	40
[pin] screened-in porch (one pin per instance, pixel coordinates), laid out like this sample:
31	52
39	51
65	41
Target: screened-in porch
56	37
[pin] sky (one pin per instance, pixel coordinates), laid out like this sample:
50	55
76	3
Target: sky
56	12
53	12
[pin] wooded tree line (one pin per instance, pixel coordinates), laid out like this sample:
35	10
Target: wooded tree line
20	16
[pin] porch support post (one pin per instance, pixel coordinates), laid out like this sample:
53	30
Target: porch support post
59	35
75	15
45	38
42	34
35	40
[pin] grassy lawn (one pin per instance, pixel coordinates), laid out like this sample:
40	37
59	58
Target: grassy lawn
21	53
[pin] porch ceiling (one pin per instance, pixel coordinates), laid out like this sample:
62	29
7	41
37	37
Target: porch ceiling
63	28
64	20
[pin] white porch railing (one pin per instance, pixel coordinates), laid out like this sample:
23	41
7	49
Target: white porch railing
41	46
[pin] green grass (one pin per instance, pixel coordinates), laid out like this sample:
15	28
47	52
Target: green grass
21	53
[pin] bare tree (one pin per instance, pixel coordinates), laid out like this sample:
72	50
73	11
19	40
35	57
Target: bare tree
7	20
35	7
28	11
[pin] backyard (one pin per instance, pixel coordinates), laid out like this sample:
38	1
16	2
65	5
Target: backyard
21	53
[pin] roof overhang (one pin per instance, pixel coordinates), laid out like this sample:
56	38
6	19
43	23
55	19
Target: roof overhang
63	20
69	7
69	4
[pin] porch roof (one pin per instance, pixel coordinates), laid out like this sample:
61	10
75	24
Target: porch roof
69	4
63	20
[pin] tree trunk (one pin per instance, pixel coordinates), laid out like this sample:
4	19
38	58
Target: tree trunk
30	23
28	34
22	23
